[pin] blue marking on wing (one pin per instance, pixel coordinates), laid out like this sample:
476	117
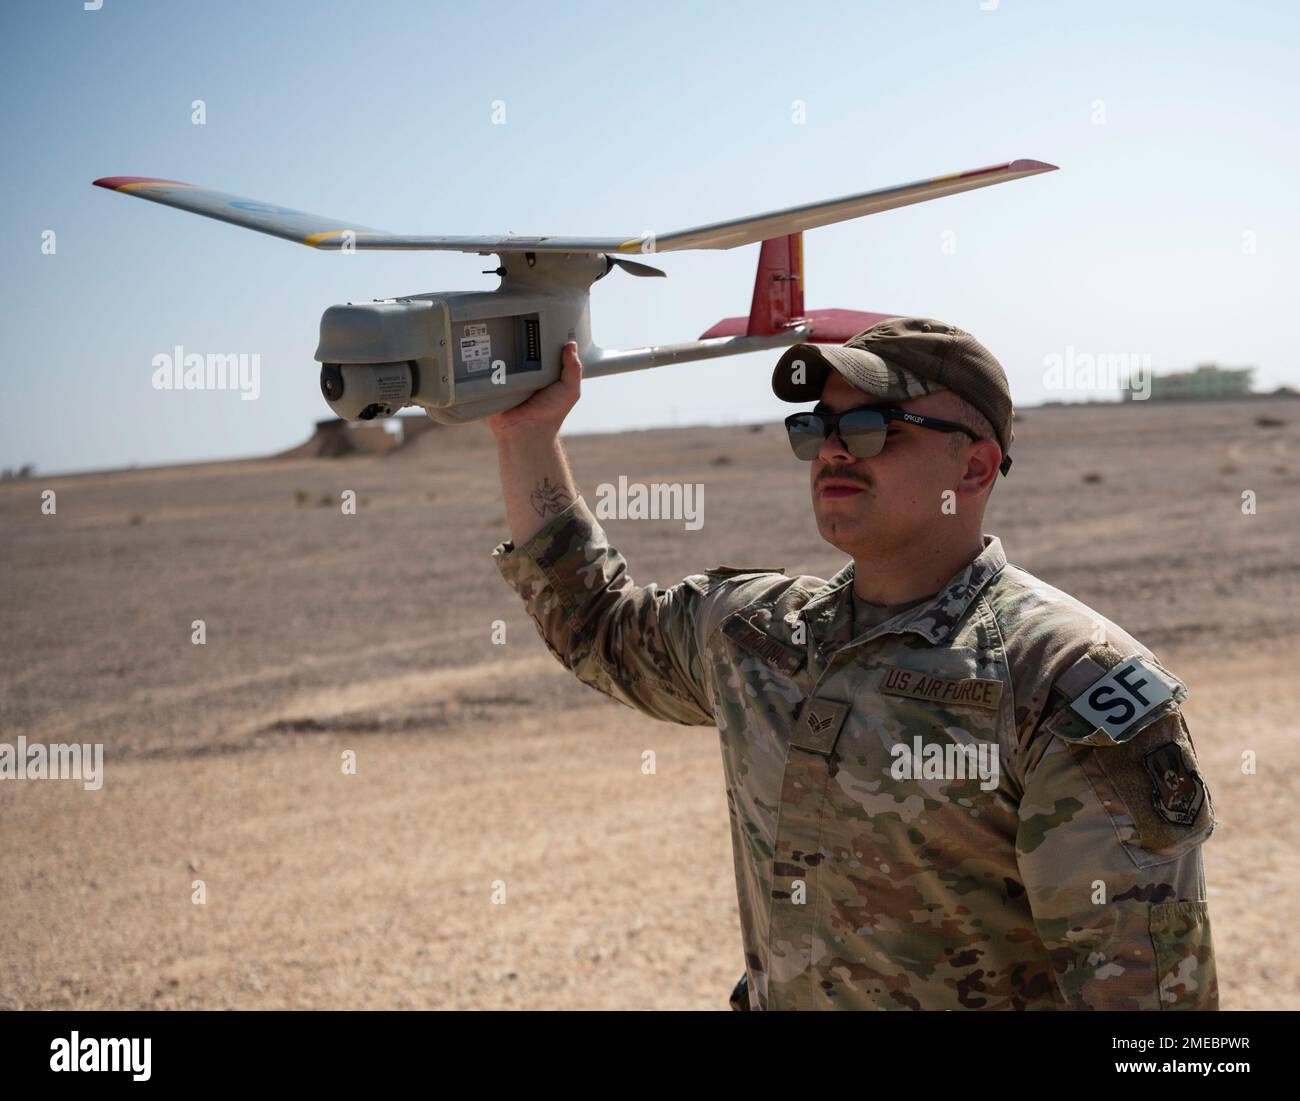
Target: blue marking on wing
262	208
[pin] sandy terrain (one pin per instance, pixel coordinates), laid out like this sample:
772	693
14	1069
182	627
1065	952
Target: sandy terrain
480	763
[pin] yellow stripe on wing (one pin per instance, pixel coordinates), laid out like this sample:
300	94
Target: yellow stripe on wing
316	239
154	183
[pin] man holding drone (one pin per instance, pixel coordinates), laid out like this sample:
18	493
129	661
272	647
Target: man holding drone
951	786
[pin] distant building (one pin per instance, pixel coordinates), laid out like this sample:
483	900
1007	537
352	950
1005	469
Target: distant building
335	437
410	425
1206	383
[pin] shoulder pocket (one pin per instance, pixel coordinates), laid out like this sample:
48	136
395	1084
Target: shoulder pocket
1124	728
1152	787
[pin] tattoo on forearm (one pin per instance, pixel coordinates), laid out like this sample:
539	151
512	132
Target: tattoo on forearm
548	499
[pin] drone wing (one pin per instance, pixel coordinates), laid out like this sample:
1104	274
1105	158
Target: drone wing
332	234
279	221
796	219
329	233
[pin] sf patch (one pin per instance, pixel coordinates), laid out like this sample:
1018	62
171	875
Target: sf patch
1178	792
1129	691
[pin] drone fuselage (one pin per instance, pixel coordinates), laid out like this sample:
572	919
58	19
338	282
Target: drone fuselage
460	355
464	355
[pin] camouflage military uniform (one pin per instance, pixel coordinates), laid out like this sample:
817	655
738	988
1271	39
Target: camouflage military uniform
1068	878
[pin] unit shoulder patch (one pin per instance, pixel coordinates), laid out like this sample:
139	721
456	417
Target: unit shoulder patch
1178	791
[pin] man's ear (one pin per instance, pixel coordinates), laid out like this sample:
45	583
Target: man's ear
982	462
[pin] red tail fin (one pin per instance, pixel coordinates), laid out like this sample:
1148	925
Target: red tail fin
777	304
778	286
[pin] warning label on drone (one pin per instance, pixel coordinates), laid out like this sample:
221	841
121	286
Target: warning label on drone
476	348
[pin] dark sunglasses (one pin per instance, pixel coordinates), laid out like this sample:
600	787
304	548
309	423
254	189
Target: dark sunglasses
861	430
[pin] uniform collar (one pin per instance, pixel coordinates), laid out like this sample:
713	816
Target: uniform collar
829	613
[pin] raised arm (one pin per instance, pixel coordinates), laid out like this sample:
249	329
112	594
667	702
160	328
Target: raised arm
536	482
637	644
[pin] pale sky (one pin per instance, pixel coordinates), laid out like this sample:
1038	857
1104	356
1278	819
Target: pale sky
1170	231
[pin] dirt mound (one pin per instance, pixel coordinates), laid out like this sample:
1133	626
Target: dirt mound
335	438
416	435
424	438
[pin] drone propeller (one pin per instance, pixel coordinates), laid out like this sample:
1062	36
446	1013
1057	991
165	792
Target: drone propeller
632	267
330	233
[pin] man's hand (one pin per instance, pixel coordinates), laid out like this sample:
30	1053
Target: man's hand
535	480
546	409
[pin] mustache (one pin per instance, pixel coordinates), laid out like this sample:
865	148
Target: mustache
841	474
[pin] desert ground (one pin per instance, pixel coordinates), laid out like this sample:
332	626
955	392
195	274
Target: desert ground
483	767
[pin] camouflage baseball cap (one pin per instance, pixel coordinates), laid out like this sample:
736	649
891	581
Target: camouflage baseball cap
901	358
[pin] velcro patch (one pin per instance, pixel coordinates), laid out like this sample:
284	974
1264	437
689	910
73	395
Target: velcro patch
1115	703
919	685
818	724
1152	789
762	645
1178	790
